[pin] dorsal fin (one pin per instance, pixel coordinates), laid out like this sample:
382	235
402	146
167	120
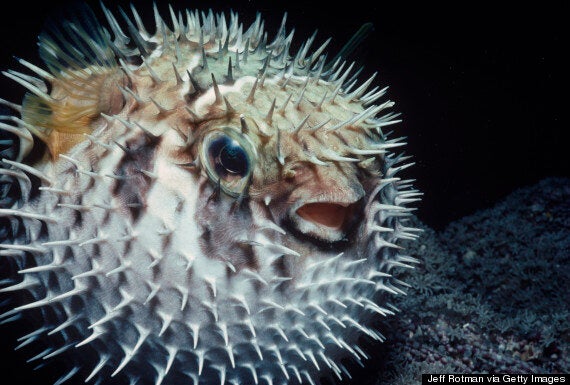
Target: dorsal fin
74	40
84	74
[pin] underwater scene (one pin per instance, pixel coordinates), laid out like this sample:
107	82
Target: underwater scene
275	193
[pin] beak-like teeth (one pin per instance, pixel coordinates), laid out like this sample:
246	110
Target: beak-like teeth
330	215
327	221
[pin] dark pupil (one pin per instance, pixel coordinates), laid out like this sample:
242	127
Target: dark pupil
229	157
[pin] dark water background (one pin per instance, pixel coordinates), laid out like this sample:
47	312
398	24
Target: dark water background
480	89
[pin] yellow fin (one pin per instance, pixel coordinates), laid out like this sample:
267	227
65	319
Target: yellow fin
83	82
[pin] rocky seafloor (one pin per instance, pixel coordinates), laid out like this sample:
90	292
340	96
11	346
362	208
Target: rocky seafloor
491	295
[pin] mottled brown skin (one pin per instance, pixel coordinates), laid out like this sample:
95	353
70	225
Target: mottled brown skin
260	268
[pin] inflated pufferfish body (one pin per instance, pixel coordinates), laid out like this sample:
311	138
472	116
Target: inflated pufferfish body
210	210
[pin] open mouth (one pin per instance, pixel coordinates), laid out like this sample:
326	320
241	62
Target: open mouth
332	215
325	221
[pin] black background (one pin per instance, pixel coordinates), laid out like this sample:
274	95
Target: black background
480	89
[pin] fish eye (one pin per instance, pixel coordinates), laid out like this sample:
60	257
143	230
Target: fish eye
229	158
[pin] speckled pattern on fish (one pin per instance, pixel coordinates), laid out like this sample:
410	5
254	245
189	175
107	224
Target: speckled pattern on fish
208	207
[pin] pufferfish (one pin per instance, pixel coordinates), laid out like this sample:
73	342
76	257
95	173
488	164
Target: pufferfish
203	205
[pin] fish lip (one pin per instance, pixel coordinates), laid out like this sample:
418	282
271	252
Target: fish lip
322	232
